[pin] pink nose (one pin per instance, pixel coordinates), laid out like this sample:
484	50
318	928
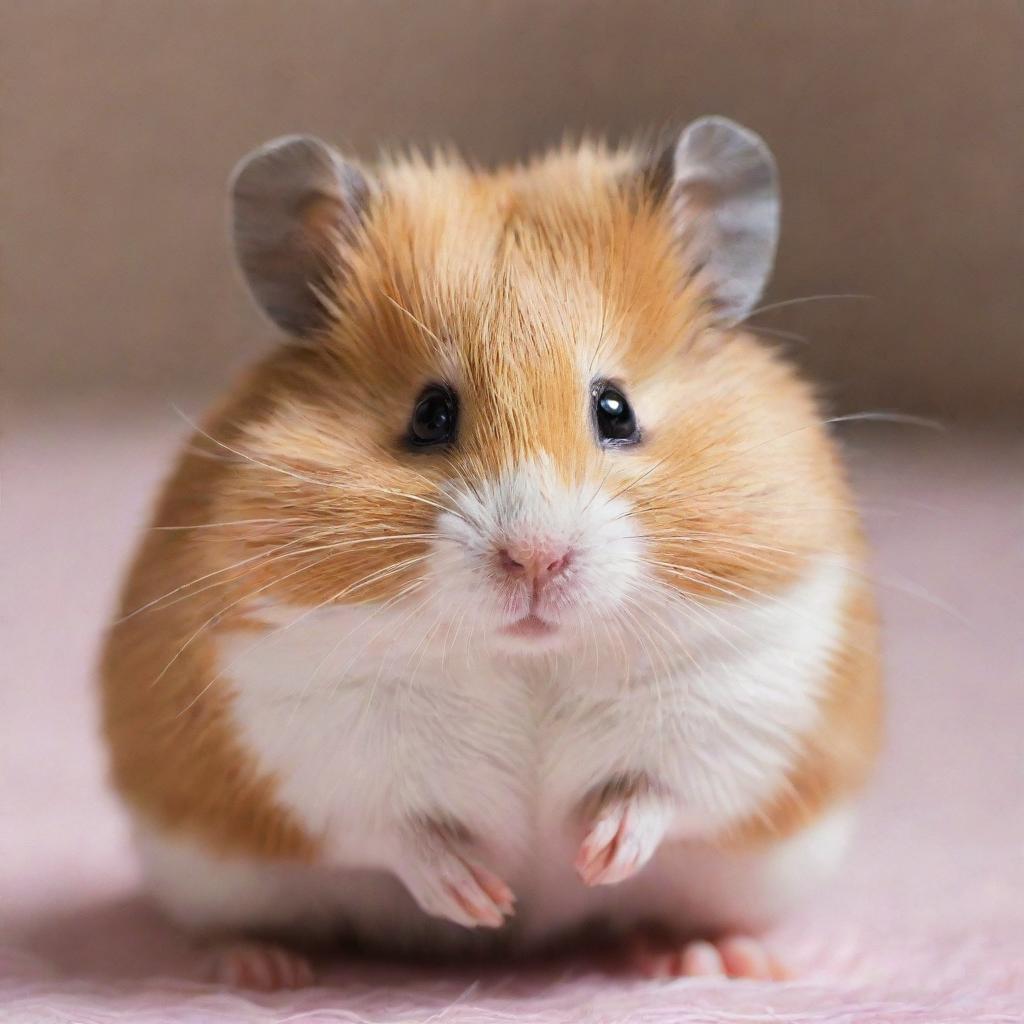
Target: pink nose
536	563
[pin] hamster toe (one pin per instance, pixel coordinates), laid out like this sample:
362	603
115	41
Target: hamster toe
448	885
262	967
746	957
736	956
620	842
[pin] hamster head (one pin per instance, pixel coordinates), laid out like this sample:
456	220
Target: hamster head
515	403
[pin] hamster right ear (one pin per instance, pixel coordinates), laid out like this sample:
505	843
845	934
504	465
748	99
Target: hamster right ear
724	194
294	204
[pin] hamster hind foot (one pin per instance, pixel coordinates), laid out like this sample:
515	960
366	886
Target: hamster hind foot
733	956
263	967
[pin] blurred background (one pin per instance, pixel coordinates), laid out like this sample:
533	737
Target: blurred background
899	130
898	126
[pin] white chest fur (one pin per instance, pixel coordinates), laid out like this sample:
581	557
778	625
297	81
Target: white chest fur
370	720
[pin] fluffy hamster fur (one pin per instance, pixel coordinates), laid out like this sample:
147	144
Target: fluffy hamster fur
317	711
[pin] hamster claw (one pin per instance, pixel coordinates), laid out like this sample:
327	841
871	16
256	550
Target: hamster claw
622	839
449	885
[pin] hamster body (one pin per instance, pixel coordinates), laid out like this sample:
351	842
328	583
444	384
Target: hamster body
521	592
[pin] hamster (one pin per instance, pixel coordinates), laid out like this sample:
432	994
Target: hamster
518	593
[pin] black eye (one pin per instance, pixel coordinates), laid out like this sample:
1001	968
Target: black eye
434	418
616	422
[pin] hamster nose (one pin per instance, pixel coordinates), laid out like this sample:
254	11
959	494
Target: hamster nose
536	563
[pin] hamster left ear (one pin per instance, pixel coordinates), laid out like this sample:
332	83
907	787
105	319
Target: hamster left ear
724	197
295	204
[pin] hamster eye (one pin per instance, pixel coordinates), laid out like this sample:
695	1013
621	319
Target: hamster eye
435	417
616	422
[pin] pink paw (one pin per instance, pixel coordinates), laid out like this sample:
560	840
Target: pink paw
452	886
622	839
263	967
736	956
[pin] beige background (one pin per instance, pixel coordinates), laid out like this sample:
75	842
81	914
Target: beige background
899	127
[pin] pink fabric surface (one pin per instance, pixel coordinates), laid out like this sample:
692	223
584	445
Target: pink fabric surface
926	924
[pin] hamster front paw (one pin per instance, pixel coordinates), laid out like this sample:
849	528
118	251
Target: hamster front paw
448	883
624	832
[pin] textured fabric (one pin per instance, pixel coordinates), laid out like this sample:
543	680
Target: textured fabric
926	924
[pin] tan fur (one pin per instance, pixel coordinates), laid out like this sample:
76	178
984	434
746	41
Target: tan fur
517	286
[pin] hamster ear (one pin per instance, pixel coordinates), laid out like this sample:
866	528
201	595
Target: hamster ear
725	200
294	202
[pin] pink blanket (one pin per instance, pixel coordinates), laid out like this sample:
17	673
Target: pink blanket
925	925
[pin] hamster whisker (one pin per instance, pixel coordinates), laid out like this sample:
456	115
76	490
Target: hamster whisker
331	484
867	415
365	581
378	575
200	579
334	547
196	452
244	455
676	501
463	479
775	332
633	483
233	604
803	299
703	578
411	614
229	522
748	554
590	501
904	586
648	642
647	588
452	635
277	556
691	606
710	535
423	643
359	627
330	756
704	599
881	416
672	499
703	575
404	592
247	596
414	585
676	600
